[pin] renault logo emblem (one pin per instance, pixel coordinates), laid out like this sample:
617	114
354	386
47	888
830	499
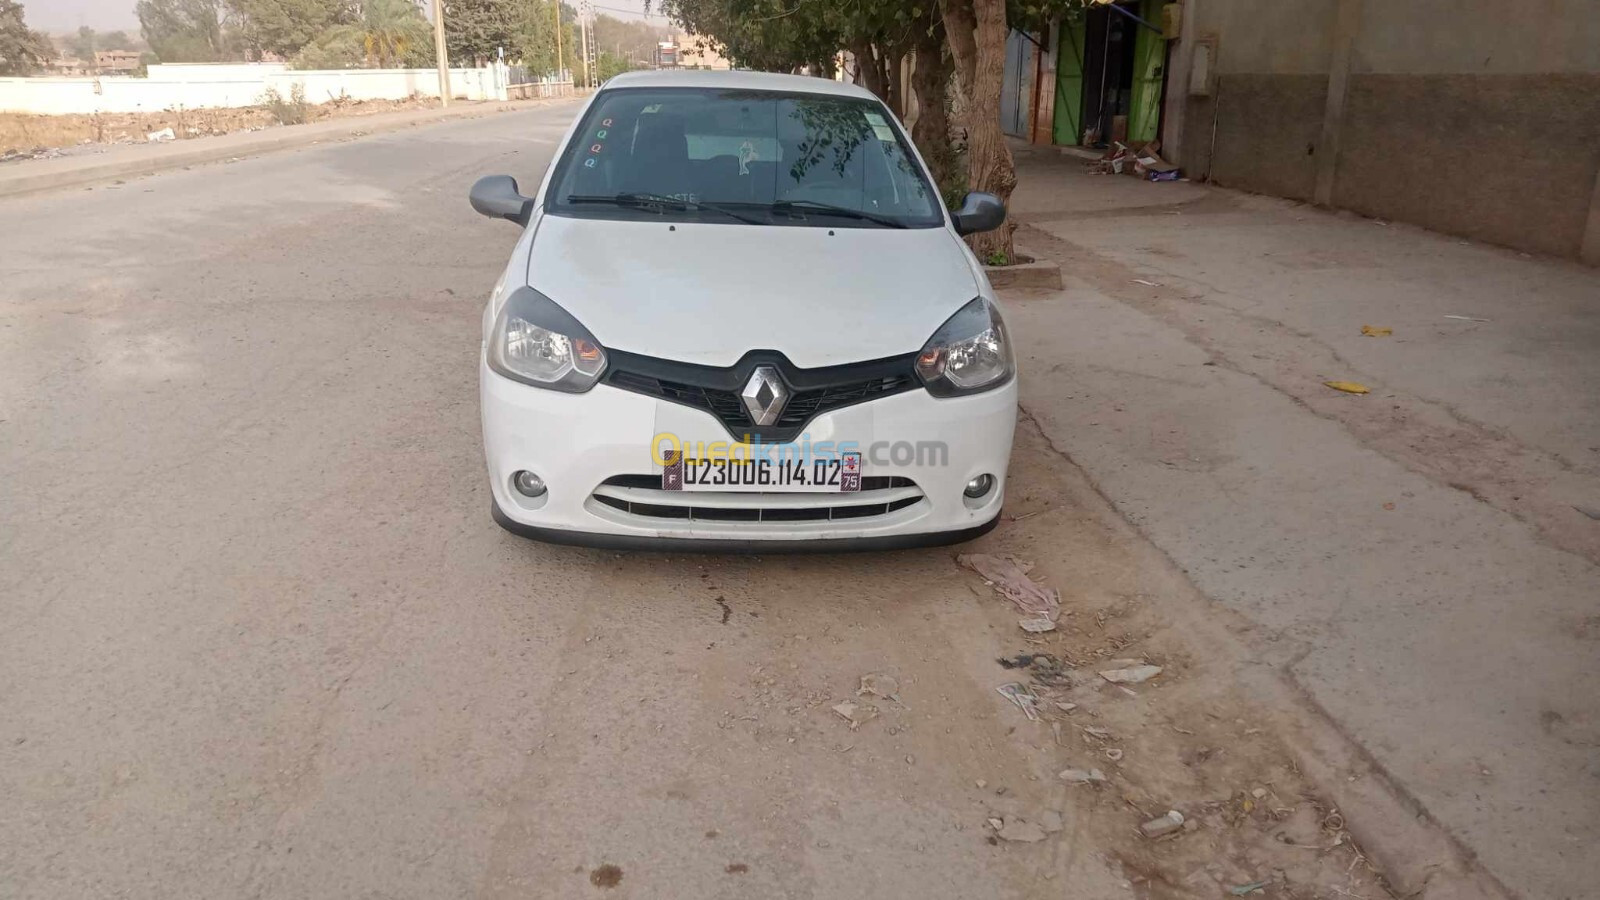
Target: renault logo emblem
764	395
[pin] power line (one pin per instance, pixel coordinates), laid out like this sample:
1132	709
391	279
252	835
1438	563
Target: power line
631	12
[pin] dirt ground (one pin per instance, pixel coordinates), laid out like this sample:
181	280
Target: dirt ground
29	135
1185	740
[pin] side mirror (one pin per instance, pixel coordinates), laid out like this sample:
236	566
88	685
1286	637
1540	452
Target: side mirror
979	212
496	197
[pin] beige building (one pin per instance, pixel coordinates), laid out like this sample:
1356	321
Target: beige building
116	62
698	53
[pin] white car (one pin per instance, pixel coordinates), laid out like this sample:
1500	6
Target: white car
740	318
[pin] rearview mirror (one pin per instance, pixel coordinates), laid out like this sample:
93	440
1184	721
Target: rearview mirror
979	212
496	196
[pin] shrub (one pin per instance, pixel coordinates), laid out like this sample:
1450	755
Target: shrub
293	111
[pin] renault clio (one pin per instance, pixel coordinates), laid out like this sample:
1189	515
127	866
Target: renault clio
740	316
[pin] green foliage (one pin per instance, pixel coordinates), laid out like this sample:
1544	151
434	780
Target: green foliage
116	40
772	35
291	111
609	65
22	50
82	44
476	30
997	258
340	48
534	41
388	34
183	30
286	26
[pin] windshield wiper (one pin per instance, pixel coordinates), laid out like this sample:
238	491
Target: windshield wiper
637	200
843	212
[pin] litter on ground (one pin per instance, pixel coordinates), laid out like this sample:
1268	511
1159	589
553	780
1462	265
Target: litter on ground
1138	674
1010	578
1349	387
855	713
1375	331
1162	826
1022	696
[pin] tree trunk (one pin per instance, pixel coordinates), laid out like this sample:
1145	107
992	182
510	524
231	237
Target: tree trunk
930	81
894	88
977	36
867	69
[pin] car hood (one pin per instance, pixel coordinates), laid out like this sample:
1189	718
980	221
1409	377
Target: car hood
709	293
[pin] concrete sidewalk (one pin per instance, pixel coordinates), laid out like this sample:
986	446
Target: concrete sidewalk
134	160
1417	560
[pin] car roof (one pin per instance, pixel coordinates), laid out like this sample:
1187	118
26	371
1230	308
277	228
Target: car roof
746	81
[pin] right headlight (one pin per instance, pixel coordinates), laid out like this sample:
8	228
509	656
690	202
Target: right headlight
969	353
537	342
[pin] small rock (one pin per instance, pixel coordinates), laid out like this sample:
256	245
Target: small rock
1258	793
981	784
1037	626
1064	706
1082	776
1131	675
996	824
1114	754
1051	822
855	713
880	685
1021	831
1163	826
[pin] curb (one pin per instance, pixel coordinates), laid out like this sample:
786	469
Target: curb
1041	274
285	137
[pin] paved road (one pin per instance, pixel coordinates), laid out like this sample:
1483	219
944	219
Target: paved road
259	637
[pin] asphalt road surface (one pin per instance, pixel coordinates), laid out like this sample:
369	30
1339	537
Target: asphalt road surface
259	636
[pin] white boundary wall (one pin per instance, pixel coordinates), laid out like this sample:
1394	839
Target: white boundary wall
199	85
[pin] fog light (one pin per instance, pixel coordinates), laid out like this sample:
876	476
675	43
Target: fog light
979	486
529	484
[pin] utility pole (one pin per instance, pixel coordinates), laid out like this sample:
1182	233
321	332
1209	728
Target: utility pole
583	32
559	64
440	54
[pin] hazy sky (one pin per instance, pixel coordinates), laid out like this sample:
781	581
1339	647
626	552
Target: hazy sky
109	15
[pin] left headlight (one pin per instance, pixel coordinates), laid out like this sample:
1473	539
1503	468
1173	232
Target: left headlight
969	353
537	342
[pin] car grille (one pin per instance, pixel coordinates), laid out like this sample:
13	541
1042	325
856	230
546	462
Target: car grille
716	390
641	495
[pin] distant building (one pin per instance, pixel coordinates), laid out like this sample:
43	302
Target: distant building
69	66
698	53
116	62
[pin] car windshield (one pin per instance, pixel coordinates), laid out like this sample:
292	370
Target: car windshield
732	156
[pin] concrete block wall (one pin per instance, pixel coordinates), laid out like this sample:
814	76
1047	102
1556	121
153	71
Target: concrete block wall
196	86
1473	117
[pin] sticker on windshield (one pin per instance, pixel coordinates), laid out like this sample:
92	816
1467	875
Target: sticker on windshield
747	155
654	107
880	127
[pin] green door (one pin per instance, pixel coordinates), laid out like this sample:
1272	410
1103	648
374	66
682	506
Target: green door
1149	54
1069	82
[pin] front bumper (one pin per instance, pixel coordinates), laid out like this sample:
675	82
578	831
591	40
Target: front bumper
579	442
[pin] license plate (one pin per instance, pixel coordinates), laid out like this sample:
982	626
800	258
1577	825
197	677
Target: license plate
840	473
